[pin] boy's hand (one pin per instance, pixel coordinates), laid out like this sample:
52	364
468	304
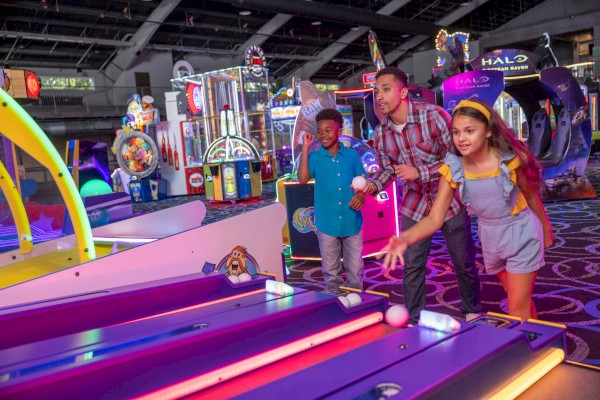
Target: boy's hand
370	188
357	201
307	141
394	250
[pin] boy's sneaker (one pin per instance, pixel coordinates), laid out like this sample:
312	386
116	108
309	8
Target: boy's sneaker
470	317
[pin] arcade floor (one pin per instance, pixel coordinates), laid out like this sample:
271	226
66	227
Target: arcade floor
567	290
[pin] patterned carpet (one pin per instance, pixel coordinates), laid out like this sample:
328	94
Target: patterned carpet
567	290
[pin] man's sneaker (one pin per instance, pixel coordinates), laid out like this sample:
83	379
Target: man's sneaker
470	317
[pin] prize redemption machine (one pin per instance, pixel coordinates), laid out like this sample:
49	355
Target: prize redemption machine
236	124
137	156
232	168
380	212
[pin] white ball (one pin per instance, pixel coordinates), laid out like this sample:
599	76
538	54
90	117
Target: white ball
234	278
245	277
359	182
344	301
354	299
396	315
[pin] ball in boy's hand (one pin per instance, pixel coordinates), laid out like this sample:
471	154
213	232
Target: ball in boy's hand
359	182
396	315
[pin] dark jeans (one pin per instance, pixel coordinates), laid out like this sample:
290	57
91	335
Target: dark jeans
457	234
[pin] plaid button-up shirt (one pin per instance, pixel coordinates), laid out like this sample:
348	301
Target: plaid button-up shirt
423	144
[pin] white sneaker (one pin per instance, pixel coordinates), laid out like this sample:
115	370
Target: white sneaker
470	317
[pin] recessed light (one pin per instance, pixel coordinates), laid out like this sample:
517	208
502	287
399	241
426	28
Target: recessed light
465	3
404	35
316	23
355	28
245	12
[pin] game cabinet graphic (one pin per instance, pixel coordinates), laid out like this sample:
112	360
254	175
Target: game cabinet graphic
237	262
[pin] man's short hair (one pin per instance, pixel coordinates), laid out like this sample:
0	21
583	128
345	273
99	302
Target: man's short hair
330	113
398	74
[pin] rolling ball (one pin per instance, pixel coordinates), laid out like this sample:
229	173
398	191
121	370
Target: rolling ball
396	315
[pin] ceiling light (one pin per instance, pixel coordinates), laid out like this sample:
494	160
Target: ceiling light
465	3
245	12
355	28
316	23
404	35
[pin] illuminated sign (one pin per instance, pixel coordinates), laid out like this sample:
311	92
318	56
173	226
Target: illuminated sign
284	112
255	61
508	61
452	51
194	98
22	85
369	78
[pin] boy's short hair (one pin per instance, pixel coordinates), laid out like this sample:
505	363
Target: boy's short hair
398	74
330	113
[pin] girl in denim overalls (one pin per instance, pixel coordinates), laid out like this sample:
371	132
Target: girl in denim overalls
498	180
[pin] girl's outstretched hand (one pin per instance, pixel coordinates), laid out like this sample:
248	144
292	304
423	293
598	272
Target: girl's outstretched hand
394	250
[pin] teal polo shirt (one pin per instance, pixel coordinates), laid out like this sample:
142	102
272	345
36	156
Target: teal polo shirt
333	177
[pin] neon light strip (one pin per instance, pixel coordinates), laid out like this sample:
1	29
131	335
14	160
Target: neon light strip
210	303
124	240
353	91
396	208
579	64
306	258
531	376
512	78
241	367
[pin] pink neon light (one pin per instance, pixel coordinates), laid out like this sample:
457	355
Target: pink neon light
350	91
241	367
237	296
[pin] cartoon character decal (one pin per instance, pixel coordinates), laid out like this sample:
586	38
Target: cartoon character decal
237	262
304	220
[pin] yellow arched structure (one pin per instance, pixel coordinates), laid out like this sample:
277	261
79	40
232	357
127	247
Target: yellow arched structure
18	126
17	209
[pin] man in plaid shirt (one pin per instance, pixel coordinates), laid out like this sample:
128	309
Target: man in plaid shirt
411	143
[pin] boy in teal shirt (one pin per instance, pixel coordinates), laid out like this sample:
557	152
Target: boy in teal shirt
338	218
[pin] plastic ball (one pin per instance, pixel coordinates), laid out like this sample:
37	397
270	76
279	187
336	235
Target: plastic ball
359	182
245	277
234	279
99	217
396	315
354	299
95	187
344	301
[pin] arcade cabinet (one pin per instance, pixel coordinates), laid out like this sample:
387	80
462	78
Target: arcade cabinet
380	212
563	153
